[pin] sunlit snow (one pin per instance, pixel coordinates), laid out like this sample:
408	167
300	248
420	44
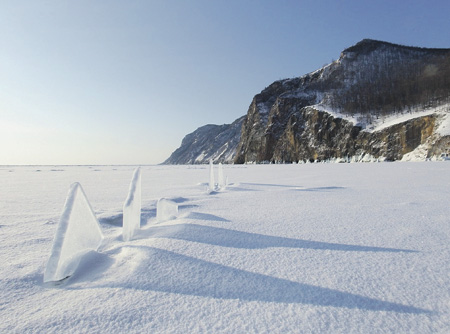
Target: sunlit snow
311	248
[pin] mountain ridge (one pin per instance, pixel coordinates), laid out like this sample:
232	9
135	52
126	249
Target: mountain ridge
370	81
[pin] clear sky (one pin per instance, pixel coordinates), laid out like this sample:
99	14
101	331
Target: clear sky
122	82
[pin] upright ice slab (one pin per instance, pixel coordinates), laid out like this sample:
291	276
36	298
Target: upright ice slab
212	185
78	232
166	210
220	178
132	208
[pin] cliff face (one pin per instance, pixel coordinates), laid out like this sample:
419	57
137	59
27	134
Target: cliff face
394	142
312	135
329	113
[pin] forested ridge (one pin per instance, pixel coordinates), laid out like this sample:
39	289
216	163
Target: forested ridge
395	80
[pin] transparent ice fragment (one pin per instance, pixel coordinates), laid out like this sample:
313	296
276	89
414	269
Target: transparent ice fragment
220	178
78	232
166	210
132	207
212	185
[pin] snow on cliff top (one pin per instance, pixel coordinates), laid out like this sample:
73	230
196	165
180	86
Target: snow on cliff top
387	121
444	127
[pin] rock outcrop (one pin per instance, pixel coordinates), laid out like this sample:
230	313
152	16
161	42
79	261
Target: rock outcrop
312	135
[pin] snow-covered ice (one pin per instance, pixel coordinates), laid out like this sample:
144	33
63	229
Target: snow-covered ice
310	248
78	233
166	210
132	207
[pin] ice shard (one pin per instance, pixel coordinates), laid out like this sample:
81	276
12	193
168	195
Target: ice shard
166	210
212	185
132	208
78	232
220	178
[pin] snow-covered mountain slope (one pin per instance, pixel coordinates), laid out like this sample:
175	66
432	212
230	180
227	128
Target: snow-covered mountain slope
351	108
209	142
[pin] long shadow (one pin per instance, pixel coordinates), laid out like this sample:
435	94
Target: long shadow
270	185
179	200
320	189
205	216
115	220
236	239
238	187
166	271
187	206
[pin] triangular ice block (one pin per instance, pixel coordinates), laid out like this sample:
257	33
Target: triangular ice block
78	232
132	208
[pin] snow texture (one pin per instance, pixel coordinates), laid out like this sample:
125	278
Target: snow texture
166	210
78	232
132	207
304	248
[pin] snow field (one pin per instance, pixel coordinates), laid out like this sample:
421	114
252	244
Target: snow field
342	248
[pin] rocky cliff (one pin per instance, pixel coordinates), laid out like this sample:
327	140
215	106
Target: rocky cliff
337	112
313	135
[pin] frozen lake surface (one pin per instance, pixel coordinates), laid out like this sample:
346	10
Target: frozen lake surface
322	248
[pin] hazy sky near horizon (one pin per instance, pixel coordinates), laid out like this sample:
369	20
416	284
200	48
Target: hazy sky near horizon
122	82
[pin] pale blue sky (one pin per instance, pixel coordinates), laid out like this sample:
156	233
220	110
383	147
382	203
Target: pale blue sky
122	82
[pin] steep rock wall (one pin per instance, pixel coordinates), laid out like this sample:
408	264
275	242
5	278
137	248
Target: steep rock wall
313	135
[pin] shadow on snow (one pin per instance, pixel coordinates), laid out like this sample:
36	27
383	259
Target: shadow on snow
231	238
205	216
170	272
325	189
117	220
